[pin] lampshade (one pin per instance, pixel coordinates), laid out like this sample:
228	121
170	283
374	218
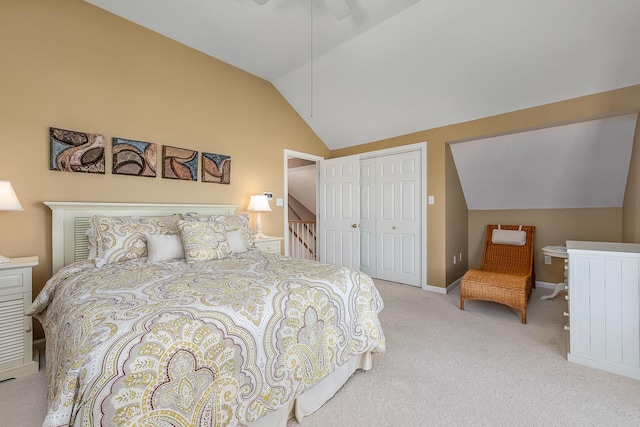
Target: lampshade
8	199
259	203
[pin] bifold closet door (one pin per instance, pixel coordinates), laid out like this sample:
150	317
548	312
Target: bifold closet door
390	217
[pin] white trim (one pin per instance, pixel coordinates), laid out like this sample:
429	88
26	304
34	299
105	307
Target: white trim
297	155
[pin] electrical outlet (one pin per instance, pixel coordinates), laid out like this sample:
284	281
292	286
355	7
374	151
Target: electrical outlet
547	259
454	259
460	257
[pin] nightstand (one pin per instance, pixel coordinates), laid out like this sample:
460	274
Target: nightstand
16	335
272	245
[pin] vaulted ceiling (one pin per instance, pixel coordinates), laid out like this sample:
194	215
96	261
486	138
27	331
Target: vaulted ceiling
394	67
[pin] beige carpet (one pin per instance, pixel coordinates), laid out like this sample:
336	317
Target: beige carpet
443	366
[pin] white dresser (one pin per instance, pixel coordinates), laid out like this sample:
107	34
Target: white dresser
16	336
604	306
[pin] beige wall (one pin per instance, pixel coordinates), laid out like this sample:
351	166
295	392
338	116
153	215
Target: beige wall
71	65
631	211
553	227
444	222
457	213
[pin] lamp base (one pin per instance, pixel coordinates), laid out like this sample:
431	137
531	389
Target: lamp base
4	259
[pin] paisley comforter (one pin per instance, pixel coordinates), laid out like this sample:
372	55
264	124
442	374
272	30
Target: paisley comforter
218	343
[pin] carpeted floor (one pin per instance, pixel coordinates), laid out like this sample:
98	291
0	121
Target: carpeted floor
446	367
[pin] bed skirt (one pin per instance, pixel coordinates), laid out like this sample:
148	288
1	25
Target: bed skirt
311	400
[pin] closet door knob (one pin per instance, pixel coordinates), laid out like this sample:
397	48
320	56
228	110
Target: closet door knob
354	225
393	228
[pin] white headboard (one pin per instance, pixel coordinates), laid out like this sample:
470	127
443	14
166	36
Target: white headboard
70	221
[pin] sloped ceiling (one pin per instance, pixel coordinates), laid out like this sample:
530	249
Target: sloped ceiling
582	165
394	67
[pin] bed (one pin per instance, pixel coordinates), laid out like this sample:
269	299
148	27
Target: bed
136	335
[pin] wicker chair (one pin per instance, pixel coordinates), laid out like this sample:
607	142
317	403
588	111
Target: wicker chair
506	275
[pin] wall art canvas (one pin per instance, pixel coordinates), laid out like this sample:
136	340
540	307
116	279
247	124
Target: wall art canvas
134	157
179	163
73	151
216	168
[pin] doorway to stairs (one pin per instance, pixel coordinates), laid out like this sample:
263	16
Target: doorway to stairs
300	204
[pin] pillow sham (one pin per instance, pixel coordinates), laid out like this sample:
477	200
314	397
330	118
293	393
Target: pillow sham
232	222
164	247
204	241
124	238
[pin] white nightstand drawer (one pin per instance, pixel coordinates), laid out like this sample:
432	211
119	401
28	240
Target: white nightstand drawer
270	245
13	281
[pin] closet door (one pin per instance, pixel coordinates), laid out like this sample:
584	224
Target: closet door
398	218
339	211
368	216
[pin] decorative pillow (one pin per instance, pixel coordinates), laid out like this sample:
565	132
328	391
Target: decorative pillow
509	237
204	241
232	222
164	247
93	250
124	238
236	241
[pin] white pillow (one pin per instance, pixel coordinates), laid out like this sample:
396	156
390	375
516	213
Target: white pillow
508	237
164	247
236	241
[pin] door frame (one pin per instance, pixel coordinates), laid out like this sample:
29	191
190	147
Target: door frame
422	148
299	155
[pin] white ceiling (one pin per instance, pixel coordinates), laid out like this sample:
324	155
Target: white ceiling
394	67
582	165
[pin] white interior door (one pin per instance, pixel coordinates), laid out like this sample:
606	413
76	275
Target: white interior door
391	217
368	216
339	211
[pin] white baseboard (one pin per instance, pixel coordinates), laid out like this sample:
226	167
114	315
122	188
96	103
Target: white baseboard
439	290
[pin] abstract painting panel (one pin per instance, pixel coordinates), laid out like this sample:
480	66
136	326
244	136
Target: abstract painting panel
73	151
216	168
179	163
134	157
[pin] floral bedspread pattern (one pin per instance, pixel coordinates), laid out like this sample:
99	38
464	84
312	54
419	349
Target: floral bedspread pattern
218	343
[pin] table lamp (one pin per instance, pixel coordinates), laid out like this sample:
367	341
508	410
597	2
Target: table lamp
8	202
259	203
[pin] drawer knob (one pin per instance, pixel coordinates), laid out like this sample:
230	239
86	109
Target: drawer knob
28	329
566	297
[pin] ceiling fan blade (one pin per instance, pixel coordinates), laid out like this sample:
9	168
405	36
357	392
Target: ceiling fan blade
339	8
261	2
